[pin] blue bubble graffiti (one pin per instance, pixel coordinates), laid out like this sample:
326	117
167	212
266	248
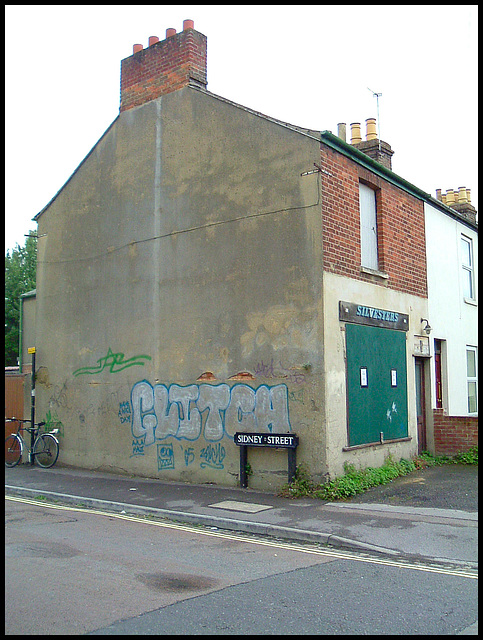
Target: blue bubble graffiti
211	411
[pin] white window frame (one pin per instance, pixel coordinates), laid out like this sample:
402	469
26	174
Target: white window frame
468	269
472	380
368	221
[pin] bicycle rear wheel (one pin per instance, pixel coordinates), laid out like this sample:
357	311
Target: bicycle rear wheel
46	450
13	450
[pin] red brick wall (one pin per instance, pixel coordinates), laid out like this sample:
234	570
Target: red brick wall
453	434
162	68
400	221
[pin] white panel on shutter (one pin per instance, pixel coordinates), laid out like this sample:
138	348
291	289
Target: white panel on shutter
367	205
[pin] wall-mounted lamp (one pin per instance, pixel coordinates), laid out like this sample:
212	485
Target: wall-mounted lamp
427	329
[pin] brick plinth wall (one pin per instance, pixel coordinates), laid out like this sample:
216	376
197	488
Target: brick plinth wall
163	67
453	434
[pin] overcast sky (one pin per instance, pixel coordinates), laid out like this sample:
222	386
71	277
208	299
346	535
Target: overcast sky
309	65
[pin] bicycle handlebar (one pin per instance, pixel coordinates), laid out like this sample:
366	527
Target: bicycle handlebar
21	420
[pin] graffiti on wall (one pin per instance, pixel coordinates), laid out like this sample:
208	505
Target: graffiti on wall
114	362
174	417
124	412
165	456
212	456
271	370
211	411
207	411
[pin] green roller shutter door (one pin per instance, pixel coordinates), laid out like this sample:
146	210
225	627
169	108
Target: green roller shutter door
377	397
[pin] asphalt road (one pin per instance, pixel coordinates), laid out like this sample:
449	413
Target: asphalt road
73	571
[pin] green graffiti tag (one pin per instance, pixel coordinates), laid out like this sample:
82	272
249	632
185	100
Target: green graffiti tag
114	362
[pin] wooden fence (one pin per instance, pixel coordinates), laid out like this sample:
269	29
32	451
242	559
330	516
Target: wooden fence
14	398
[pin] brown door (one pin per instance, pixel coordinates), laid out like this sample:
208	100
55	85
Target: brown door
437	374
420	404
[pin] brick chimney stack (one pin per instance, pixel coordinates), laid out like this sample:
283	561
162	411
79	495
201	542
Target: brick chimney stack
164	66
373	147
460	201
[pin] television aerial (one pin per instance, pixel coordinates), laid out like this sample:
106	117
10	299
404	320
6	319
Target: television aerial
377	96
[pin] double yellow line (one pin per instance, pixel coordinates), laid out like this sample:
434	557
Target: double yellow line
300	548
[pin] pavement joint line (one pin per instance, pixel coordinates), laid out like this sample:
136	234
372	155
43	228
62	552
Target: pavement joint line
337	554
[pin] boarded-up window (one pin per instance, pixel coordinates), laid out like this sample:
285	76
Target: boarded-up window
367	206
376	384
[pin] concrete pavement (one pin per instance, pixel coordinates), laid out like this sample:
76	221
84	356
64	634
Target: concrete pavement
430	515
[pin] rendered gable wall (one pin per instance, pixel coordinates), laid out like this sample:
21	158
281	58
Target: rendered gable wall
179	291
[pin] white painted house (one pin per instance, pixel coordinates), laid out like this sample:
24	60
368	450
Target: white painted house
452	271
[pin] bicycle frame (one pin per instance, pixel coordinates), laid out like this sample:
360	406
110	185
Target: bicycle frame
35	431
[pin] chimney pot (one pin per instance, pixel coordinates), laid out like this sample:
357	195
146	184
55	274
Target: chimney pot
170	32
371	133
355	132
438	195
450	199
153	40
137	47
188	24
341	131
459	200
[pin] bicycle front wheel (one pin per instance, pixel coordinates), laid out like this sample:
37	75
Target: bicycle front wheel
46	450
13	450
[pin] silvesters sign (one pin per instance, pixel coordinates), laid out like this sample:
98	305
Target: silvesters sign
362	314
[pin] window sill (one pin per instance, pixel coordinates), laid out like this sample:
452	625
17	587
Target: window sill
470	301
376	444
374	272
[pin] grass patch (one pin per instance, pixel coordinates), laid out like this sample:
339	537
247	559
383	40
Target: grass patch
356	481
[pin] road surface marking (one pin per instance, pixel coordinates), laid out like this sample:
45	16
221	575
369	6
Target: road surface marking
332	553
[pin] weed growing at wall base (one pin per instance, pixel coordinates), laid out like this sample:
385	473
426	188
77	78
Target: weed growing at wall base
467	457
357	481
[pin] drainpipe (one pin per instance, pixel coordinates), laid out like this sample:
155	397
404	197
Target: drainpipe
32	406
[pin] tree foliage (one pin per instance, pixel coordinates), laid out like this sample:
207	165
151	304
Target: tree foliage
20	277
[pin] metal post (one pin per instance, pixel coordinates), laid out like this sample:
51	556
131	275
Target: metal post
243	467
32	405
292	464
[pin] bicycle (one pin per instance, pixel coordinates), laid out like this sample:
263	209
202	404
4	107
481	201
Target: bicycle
45	450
